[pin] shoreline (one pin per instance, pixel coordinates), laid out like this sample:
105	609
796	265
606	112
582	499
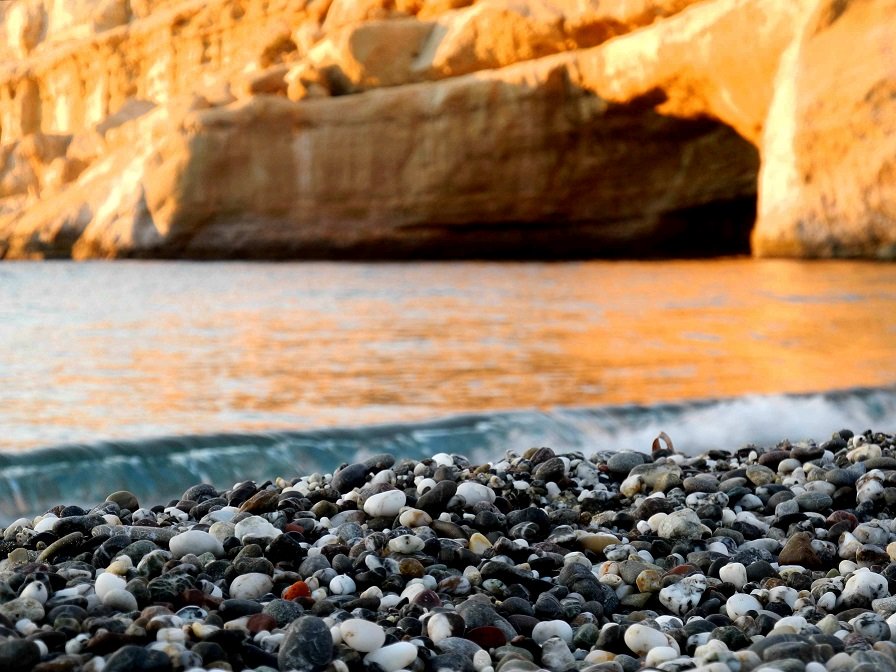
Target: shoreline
780	558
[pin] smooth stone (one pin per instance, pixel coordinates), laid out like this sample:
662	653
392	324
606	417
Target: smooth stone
459	645
435	500
22	607
735	574
659	655
681	597
474	493
349	477
682	524
740	604
871	626
120	600
132	658
813	501
342	585
361	635
406	543
556	656
124	499
255	527
250	586
641	639
555	628
863	587
18	655
306	645
196	542
799	551
624	461
385	504
477	612
393	657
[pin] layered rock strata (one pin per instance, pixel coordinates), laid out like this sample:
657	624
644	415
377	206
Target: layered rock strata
396	128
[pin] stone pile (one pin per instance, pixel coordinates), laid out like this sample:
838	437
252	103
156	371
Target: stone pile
760	559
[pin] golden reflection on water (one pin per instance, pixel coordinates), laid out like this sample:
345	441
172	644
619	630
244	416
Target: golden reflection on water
92	351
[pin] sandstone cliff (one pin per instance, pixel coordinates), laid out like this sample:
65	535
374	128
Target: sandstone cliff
392	128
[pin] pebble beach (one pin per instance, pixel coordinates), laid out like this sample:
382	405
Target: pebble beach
761	558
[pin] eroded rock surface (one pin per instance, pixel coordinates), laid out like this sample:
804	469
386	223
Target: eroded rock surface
400	128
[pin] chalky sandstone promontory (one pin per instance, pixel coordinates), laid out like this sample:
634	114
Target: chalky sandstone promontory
446	128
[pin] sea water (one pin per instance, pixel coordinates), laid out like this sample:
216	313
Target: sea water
155	375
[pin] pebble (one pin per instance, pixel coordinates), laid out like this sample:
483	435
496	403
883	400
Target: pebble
195	542
747	560
641	639
475	493
741	604
307	645
681	597
385	504
548	629
393	657
250	586
361	635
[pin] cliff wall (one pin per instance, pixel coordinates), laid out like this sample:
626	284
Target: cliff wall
403	128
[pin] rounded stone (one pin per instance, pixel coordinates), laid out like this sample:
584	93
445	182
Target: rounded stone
124	499
641	639
393	657
196	542
120	600
475	493
306	645
361	635
385	504
250	586
555	628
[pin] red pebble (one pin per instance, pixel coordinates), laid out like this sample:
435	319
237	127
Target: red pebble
259	622
297	590
683	570
842	517
487	636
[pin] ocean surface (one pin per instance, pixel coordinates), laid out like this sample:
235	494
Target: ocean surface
152	376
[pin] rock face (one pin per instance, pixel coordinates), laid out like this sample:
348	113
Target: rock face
828	182
404	128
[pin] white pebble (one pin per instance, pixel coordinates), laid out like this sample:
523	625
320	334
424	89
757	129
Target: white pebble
106	582
120	600
473	493
256	526
35	590
443	459
544	630
196	542
342	585
660	654
250	586
641	639
735	574
740	603
393	657
406	543
362	635
385	504
864	584
681	597
481	660
46	523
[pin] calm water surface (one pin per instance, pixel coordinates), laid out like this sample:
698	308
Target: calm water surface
93	351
